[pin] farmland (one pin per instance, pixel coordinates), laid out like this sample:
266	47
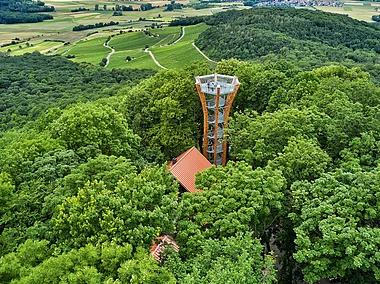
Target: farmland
128	38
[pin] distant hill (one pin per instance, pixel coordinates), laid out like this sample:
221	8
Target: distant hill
309	38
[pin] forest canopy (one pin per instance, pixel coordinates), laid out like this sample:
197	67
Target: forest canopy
308	38
34	83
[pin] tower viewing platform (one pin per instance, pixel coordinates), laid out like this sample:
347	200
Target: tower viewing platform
216	93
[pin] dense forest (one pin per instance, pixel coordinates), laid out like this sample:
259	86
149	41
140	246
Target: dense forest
308	38
34	83
84	188
24	11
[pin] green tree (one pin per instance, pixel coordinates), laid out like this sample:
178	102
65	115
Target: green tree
301	160
165	111
34	262
258	139
236	199
90	130
144	269
109	169
336	225
257	82
29	254
36	197
140	208
18	150
228	260
7	189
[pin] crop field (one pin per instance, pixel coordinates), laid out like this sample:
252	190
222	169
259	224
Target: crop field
43	47
138	40
91	51
360	10
181	53
64	20
87	45
141	60
167	54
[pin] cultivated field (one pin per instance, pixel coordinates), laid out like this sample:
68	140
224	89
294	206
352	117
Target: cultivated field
160	43
182	52
128	38
360	10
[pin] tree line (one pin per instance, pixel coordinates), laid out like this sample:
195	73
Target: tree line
94	26
24	11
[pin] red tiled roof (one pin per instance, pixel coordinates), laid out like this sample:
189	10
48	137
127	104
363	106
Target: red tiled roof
187	165
163	241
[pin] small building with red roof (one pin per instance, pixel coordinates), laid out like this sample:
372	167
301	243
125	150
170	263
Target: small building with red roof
186	165
160	244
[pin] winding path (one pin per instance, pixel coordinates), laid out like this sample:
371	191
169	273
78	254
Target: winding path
155	60
182	35
66	51
204	55
109	54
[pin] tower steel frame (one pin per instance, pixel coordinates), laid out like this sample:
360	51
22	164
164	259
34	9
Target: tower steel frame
216	93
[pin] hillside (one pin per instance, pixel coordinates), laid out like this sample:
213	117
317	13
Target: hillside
33	83
308	38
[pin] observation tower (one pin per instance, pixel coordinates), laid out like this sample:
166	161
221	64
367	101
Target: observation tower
216	93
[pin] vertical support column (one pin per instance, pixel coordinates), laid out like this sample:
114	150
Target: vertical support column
230	99
216	127
205	117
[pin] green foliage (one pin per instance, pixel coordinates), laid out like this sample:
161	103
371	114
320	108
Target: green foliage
12	11
34	263
376	18
336	225
330	104
228	260
108	169
143	269
78	203
236	199
301	160
363	153
257	81
36	196
29	254
140	208
308	38
258	139
165	111
19	149
6	191
33	83
90	130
